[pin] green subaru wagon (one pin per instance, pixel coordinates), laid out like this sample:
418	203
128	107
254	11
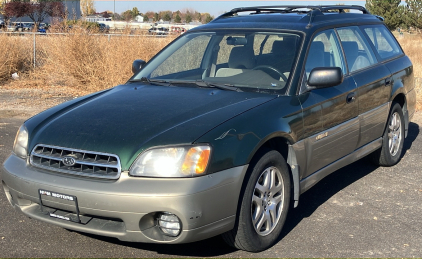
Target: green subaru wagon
220	132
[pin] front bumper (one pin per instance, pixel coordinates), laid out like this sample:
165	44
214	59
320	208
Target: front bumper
125	208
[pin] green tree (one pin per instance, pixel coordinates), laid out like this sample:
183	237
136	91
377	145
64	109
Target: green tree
208	18
127	15
146	18
177	19
167	17
389	9
413	14
156	17
199	16
188	18
135	12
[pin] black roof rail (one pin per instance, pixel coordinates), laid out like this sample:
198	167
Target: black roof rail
295	9
341	8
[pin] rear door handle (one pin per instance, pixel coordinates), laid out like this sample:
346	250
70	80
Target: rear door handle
351	97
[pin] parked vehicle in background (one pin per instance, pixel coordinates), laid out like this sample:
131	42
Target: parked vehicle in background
28	26
15	26
11	28
221	131
158	31
103	28
19	26
177	30
42	28
2	24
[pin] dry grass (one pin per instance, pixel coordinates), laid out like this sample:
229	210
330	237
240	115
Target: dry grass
412	46
95	62
86	63
79	60
15	55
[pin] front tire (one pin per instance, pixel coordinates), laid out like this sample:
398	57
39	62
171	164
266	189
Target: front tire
264	205
393	139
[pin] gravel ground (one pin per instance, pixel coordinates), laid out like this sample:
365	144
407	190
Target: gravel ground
358	211
24	102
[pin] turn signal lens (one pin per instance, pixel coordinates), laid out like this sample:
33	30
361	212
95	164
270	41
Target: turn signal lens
202	162
196	160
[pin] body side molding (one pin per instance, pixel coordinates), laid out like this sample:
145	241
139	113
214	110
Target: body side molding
311	180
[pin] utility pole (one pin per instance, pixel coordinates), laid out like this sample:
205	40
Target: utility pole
114	16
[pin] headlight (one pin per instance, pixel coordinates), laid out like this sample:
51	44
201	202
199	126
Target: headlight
172	162
21	142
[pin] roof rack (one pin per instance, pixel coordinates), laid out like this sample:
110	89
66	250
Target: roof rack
295	9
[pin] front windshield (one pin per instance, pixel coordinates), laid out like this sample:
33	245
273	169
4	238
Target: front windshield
248	60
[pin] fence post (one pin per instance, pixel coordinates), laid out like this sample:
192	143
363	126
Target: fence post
34	51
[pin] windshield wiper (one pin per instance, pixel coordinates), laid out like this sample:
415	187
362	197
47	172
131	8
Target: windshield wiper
151	81
200	83
229	87
205	84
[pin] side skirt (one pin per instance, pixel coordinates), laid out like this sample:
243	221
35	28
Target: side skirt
308	182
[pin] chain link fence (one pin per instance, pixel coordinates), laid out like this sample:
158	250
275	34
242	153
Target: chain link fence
33	39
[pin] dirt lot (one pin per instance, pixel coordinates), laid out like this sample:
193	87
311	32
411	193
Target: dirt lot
24	102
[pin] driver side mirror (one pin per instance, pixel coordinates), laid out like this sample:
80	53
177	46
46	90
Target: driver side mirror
137	65
322	77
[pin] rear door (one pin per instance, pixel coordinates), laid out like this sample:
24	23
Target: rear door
389	53
373	80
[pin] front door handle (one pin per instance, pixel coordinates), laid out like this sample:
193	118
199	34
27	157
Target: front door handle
387	81
351	97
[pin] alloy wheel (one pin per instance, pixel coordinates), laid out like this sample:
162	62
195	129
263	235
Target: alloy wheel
267	201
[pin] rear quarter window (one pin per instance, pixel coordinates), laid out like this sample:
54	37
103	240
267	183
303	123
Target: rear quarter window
383	42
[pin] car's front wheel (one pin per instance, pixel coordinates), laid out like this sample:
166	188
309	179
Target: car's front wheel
264	205
392	142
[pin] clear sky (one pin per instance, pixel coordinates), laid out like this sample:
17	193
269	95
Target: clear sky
215	7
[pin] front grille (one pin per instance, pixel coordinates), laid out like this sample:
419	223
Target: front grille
87	163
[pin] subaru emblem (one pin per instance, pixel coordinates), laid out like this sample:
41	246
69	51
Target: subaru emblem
68	161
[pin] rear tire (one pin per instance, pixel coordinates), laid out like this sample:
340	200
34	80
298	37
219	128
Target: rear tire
392	141
264	205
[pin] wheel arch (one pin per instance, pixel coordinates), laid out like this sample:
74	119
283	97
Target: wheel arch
282	144
400	98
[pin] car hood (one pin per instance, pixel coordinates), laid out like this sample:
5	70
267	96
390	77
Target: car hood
131	118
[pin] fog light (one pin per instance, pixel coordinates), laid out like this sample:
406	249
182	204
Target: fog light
169	224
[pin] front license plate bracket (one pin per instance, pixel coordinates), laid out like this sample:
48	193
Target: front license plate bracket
62	196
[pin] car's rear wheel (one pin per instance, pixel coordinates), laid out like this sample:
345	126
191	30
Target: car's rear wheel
264	205
392	143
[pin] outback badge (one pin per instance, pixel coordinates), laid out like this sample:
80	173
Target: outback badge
321	136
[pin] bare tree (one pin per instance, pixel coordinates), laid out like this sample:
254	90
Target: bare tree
87	7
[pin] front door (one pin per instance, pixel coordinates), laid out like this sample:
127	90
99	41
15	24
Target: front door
330	114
